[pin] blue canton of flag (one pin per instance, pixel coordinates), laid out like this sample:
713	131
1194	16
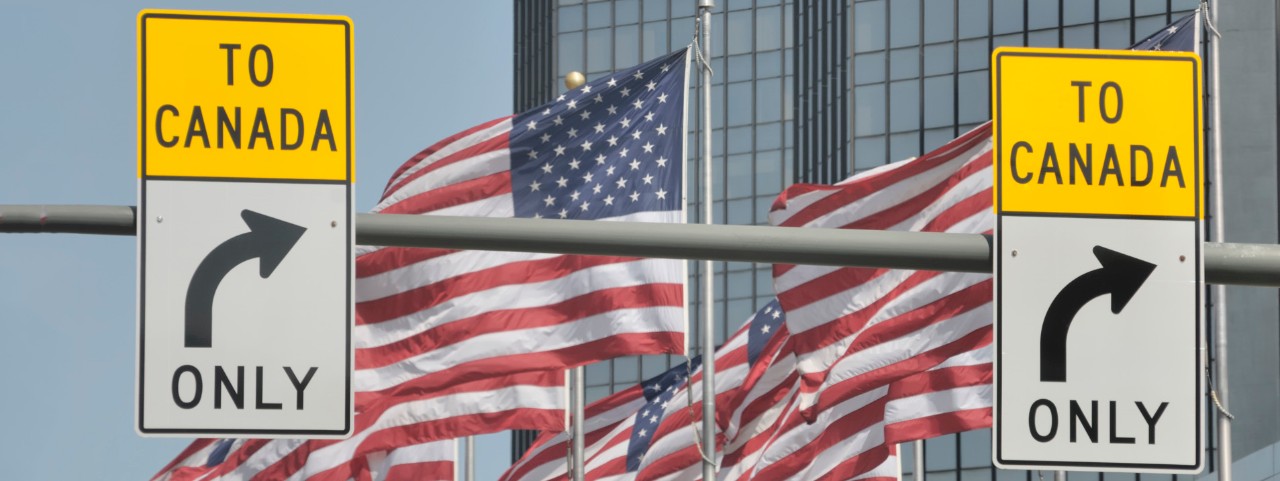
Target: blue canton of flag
1179	36
219	453
658	391
763	325
610	148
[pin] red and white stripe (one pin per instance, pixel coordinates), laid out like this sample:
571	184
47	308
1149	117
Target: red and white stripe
856	329
603	421
439	317
431	461
530	400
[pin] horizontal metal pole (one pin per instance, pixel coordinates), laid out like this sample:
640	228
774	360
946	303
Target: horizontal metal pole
1225	263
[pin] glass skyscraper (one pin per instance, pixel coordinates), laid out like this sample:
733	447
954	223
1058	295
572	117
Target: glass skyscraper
816	90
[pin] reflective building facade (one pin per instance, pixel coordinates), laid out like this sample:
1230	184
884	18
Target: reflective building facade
816	90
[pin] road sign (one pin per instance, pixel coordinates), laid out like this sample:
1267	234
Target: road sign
245	230
1099	272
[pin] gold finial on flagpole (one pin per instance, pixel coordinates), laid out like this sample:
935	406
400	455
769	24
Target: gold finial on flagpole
574	80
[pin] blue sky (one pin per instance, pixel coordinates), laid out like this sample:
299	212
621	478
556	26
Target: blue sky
424	70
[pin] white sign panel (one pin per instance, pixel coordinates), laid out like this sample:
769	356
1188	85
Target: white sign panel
1098	344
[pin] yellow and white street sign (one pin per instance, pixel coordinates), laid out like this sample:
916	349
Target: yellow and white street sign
245	232
1099	273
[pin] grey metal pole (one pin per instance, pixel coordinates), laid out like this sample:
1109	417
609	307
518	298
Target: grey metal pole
1220	374
577	402
918	445
471	458
1225	263
708	269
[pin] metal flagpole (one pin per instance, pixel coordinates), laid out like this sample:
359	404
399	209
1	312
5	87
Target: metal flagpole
1219	231
471	458
708	270
577	380
577	402
919	459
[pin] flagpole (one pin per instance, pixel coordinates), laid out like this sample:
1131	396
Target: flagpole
471	458
708	270
1219	232
577	401
918	445
577	378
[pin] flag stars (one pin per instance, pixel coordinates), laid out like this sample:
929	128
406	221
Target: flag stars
626	92
662	129
662	161
651	86
613	109
573	133
648	117
596	189
573	104
665	67
622	182
546	112
599	98
608	200
546	168
531	125
559	150
648	146
635	164
588	177
549	201
545	137
662	99
575	195
613	141
585	206
639	75
560	98
635	196
636	135
764	329
612	83
586	145
535	186
644	433
626	123
638	104
648	179
599	128
623	153
533	154
558	121
585	115
609	171
661	193
586	89
776	314
562	182
600	159
564	213
573	164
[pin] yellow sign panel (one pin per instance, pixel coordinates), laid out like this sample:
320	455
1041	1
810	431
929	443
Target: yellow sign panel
239	95
1097	132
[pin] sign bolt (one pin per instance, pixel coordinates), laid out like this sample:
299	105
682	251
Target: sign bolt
1182	258
1014	253
159	219
333	223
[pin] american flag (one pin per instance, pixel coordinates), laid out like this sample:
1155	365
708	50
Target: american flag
430	461
618	431
611	150
857	329
522	400
636	435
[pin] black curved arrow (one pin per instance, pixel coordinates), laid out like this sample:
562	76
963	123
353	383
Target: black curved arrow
269	239
1120	276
